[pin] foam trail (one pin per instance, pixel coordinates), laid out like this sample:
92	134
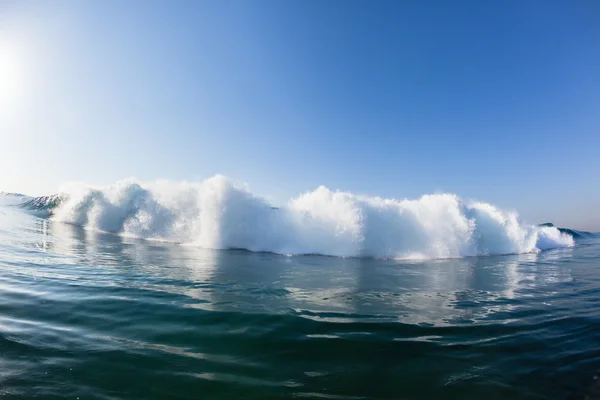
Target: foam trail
218	214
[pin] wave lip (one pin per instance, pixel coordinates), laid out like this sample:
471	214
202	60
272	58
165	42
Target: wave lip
219	214
572	232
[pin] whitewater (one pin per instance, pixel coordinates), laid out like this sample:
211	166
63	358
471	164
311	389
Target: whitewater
220	214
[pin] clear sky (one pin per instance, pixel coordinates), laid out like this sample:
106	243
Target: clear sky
496	101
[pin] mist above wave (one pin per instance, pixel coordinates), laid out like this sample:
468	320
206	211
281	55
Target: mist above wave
219	214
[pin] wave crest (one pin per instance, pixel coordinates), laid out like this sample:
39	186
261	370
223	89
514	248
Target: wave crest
219	214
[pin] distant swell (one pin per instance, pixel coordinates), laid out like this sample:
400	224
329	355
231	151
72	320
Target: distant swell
43	205
218	214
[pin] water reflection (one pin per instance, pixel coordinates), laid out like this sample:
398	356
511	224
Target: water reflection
433	292
454	291
20	231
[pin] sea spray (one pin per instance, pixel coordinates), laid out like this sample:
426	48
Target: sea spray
217	213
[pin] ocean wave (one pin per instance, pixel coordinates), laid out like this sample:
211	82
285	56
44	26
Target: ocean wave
42	206
12	199
220	214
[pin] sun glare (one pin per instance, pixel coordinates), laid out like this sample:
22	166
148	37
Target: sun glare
11	76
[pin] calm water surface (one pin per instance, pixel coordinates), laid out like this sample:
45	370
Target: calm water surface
85	315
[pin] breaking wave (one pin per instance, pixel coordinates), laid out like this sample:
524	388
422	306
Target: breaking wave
219	214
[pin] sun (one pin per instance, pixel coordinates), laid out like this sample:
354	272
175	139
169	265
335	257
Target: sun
12	76
9	72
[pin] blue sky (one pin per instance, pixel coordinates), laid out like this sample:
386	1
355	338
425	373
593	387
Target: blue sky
496	101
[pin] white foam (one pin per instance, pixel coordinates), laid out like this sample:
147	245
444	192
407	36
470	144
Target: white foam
219	214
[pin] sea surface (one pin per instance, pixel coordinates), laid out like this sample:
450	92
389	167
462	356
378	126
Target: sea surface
90	315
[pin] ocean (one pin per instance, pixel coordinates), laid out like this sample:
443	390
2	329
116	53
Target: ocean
207	292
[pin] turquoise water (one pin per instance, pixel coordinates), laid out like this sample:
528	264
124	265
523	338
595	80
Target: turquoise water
98	316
